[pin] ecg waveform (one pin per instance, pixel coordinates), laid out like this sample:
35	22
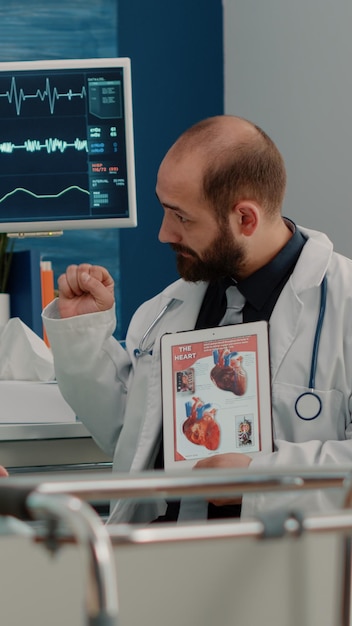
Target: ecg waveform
18	96
50	145
44	196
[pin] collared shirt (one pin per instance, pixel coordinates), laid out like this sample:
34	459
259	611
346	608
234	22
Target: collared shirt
261	289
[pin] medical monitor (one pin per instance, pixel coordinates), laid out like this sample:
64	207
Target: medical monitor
66	146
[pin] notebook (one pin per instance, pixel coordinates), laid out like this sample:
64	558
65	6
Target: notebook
216	393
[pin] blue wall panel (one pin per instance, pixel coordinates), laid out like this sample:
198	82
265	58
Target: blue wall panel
176	51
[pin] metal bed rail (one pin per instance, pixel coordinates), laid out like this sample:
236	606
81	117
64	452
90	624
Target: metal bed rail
59	499
208	483
79	518
288	525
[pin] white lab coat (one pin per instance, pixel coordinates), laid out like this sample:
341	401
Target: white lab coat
118	397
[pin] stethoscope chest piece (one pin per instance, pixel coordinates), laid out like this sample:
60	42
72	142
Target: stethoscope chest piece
308	406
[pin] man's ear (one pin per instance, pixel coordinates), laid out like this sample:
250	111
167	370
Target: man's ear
246	215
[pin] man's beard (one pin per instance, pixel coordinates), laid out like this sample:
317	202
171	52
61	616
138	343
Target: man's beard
222	258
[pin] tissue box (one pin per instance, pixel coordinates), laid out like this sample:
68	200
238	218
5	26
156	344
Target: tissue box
26	402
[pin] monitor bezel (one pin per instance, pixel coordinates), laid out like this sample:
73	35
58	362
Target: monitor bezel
50	227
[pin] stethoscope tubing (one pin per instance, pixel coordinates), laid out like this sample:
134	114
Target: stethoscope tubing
308	405
148	349
313	368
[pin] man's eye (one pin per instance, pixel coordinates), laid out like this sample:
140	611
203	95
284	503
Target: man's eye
182	219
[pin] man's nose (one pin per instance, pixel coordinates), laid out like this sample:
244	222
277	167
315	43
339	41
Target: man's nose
169	232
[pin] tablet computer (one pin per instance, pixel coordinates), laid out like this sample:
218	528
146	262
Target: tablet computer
216	393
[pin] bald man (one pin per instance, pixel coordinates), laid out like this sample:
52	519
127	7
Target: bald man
221	187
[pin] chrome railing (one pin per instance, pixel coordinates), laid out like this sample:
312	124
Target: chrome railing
65	499
208	483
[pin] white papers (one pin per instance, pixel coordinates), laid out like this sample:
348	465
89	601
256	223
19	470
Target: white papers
24	355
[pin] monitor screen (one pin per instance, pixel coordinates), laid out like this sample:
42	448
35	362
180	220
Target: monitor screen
66	146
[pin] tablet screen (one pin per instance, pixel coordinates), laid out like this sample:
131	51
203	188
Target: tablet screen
216	393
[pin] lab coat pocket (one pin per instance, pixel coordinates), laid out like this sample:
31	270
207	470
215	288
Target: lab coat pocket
327	408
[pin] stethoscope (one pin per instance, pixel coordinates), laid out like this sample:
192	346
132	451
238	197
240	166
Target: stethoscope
145	345
308	405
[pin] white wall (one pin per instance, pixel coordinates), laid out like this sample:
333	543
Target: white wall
288	68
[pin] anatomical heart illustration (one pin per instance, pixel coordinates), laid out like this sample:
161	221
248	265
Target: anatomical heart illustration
228	373
200	427
213	394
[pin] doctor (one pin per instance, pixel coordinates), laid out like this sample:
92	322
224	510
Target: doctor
221	187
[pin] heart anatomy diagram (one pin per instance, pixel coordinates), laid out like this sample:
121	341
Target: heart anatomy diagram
228	374
200	427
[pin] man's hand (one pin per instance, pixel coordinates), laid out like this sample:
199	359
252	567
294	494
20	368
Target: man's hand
225	461
85	289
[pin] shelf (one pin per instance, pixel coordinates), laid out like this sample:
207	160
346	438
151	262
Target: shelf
21	432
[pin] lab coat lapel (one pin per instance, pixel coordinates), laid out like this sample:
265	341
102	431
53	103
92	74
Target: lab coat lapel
189	297
285	319
283	327
182	316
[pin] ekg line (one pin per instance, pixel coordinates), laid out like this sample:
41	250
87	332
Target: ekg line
52	94
50	145
36	195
